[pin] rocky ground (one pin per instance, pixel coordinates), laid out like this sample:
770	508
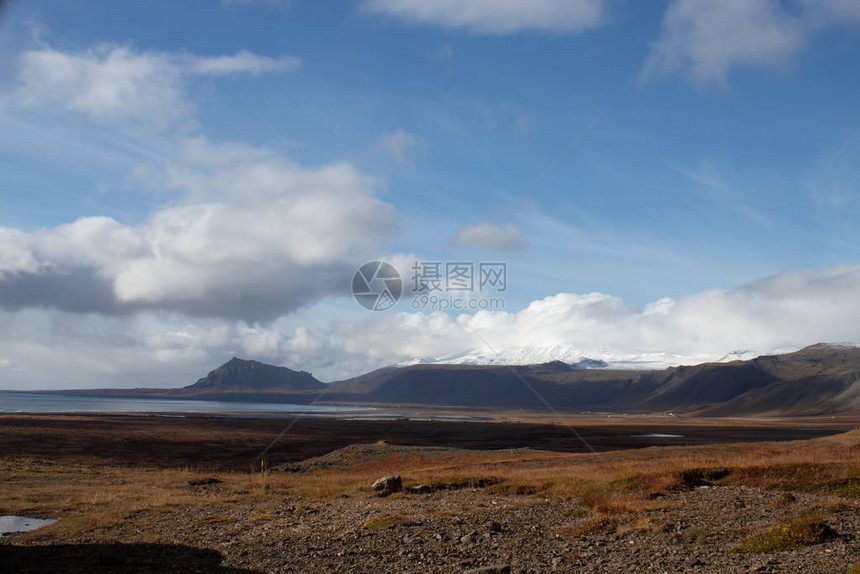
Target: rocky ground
754	507
469	529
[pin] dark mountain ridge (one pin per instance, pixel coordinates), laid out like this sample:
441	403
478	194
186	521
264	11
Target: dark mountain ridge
816	380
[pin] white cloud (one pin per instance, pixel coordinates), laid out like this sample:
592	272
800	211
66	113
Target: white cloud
496	16
785	311
254	237
104	83
117	82
704	40
401	145
505	236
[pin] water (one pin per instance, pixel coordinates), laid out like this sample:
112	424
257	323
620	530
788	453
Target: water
10	525
406	416
45	403
658	435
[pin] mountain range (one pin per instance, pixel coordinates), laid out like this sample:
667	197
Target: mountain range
820	379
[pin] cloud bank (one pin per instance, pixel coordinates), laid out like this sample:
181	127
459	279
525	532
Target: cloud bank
778	313
45	348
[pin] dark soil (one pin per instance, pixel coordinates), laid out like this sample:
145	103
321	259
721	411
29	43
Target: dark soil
236	443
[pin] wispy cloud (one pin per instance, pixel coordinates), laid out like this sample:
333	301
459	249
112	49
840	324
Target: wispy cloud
506	236
243	62
496	17
117	82
724	195
276	4
832	12
444	53
401	145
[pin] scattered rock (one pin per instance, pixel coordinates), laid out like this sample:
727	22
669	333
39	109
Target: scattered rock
419	489
475	531
468	539
498	569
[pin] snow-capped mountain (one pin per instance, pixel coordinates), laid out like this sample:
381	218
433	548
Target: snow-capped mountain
598	358
578	358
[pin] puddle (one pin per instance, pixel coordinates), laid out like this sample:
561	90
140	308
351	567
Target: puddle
659	435
10	525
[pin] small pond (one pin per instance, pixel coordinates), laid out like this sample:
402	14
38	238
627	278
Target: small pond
10	525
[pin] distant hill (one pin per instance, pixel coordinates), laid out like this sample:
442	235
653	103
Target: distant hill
241	376
235	380
816	380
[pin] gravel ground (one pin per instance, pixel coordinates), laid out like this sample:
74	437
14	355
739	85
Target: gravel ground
457	531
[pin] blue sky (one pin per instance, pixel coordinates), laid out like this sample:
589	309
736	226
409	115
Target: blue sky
643	152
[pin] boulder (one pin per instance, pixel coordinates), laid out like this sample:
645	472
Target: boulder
387	484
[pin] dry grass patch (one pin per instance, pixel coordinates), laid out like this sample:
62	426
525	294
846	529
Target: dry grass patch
792	535
86	499
612	503
824	464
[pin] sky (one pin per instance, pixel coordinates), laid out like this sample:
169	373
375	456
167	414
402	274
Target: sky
663	183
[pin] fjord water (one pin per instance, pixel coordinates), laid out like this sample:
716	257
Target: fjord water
47	403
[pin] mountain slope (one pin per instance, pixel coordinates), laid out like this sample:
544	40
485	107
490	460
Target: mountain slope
241	376
815	380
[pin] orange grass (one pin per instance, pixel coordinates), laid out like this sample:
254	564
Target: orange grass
607	484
